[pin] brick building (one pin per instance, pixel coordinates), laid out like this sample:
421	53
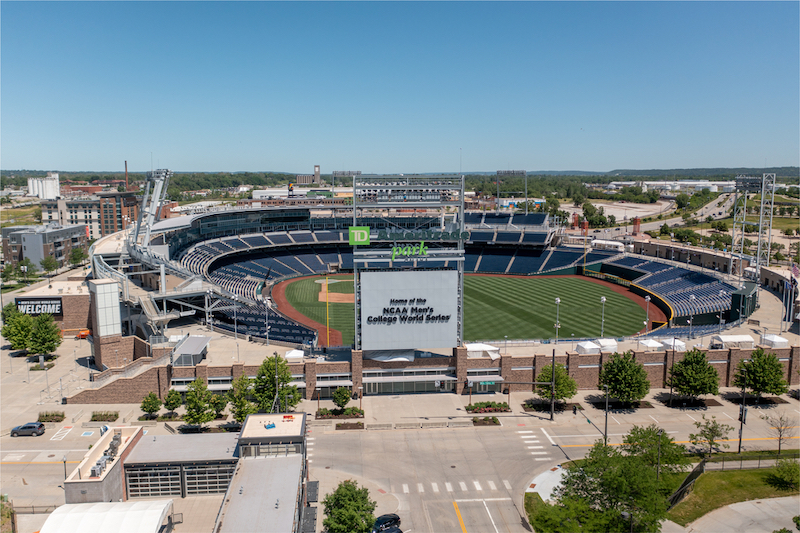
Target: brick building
103	214
38	242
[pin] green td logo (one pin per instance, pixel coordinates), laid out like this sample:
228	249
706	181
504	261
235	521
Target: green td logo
359	235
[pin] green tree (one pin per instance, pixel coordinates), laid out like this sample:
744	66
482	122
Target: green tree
10	310
49	264
664	230
17	330
565	385
643	442
217	403
612	483
626	379
341	397
9	272
781	427
764	374
694	376
198	410
682	200
77	256
348	509
264	385
238	396
786	474
172	401
710	433
151	404
45	335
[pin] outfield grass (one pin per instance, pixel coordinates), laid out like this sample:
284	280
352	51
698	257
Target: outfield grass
522	308
303	295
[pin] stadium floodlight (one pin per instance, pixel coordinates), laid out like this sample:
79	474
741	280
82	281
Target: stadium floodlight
692	299
603	316
647	300
557	324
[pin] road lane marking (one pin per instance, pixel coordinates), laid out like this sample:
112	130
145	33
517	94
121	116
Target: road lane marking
405	488
492	485
490	516
507	484
61	433
531	442
526	431
435	487
548	437
651	416
541	459
615	420
535	447
420	488
484	500
448	486
14	457
690	416
463	486
729	416
477	486
460	520
539	453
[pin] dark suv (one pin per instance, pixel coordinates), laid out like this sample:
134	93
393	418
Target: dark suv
386	522
31	428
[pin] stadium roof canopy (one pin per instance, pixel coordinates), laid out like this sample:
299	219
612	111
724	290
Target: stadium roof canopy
117	517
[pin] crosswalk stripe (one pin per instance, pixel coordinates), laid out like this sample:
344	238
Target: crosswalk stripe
405	488
492	486
538	453
535	447
435	487
477	485
531	441
463	486
448	486
541	459
420	487
526	431
507	484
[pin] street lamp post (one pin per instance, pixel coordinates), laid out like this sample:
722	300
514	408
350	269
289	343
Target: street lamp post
647	302
692	299
360	395
64	460
603	316
605	432
235	317
506	345
557	325
318	391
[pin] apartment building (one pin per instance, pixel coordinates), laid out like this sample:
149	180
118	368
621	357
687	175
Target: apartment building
103	214
38	242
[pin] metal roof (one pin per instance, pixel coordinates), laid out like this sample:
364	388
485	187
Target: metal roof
193	345
263	495
113	517
189	448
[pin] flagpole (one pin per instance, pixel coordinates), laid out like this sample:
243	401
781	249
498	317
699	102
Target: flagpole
327	315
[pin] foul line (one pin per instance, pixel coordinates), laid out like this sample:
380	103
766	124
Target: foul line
460	520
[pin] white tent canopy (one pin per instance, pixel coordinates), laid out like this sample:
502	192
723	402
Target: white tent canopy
674	344
775	341
588	348
116	517
731	341
476	349
294	355
607	345
651	345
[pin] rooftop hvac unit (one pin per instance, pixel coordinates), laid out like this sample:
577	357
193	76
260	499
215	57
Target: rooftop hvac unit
102	462
96	471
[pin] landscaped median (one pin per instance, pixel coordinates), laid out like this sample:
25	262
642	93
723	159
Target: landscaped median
488	407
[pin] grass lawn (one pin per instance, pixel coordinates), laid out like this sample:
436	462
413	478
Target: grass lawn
522	308
713	490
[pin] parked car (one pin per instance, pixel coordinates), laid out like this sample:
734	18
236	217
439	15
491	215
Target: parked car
387	523
31	428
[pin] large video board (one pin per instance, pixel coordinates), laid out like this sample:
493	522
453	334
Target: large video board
403	310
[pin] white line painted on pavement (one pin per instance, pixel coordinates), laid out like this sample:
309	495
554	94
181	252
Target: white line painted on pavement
531	441
463	486
435	487
61	433
729	416
484	500
538	453
14	457
492	486
448	486
490	516
541	458
420	488
535	447
507	484
615	420
405	488
690	416
526	431
477	485
651	416
548	437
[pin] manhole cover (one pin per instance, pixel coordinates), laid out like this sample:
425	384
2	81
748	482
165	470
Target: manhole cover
327	468
452	466
51	455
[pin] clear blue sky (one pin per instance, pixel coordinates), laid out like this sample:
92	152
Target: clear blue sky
398	87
